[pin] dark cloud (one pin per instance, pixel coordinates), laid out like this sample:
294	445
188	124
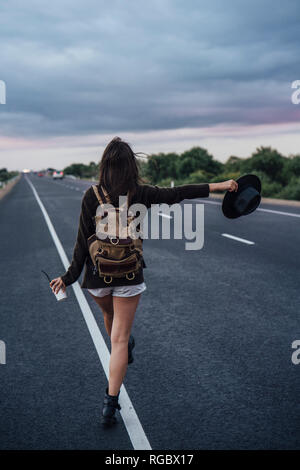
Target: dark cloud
96	66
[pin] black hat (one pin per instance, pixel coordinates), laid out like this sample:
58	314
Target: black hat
245	200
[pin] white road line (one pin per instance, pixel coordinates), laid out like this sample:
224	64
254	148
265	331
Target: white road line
167	216
272	211
132	423
209	202
291	214
243	240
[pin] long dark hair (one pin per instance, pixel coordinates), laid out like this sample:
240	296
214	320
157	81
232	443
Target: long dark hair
119	169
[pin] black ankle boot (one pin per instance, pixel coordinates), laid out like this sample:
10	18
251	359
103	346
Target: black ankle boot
131	344
110	405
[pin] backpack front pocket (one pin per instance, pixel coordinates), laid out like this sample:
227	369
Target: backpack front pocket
118	268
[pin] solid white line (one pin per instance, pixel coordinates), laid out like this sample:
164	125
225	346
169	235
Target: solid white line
132	423
272	211
291	214
243	240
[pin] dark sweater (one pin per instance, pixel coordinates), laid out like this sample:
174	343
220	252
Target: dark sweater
145	194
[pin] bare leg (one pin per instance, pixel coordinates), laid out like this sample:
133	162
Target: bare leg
124	310
106	305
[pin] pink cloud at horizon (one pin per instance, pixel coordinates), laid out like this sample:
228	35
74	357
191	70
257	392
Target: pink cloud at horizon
220	140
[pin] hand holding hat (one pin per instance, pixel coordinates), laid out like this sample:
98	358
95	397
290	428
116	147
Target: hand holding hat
245	199
229	185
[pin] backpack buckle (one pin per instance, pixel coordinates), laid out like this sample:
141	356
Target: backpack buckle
130	278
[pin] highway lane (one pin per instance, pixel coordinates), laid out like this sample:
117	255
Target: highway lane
213	331
52	384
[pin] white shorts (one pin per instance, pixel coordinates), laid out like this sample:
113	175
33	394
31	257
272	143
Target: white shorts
119	291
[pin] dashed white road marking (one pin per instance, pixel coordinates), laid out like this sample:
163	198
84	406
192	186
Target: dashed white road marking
238	239
209	202
167	216
131	421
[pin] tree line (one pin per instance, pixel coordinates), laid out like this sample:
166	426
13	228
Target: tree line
279	174
6	175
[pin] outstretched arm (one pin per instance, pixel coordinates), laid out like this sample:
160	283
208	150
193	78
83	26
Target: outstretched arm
158	195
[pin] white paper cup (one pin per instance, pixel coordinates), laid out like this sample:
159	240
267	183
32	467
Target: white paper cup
61	295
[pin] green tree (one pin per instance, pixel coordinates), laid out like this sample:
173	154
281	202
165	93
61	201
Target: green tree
6	175
269	161
233	164
161	166
294	165
81	170
291	190
196	177
195	159
291	168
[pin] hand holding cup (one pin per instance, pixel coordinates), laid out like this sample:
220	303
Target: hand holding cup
57	284
58	288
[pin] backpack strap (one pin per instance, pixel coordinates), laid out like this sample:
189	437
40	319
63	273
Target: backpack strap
97	194
106	198
103	197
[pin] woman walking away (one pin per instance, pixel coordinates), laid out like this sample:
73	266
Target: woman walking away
113	273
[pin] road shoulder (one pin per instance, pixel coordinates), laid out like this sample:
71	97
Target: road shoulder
8	187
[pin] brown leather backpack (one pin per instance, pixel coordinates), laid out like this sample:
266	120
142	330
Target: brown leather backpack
114	256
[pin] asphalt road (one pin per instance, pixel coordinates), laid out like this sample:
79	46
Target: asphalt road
213	333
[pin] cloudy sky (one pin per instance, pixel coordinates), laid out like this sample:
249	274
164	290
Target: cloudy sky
162	74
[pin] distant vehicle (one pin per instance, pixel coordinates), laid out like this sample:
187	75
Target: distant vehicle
26	170
58	175
40	173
